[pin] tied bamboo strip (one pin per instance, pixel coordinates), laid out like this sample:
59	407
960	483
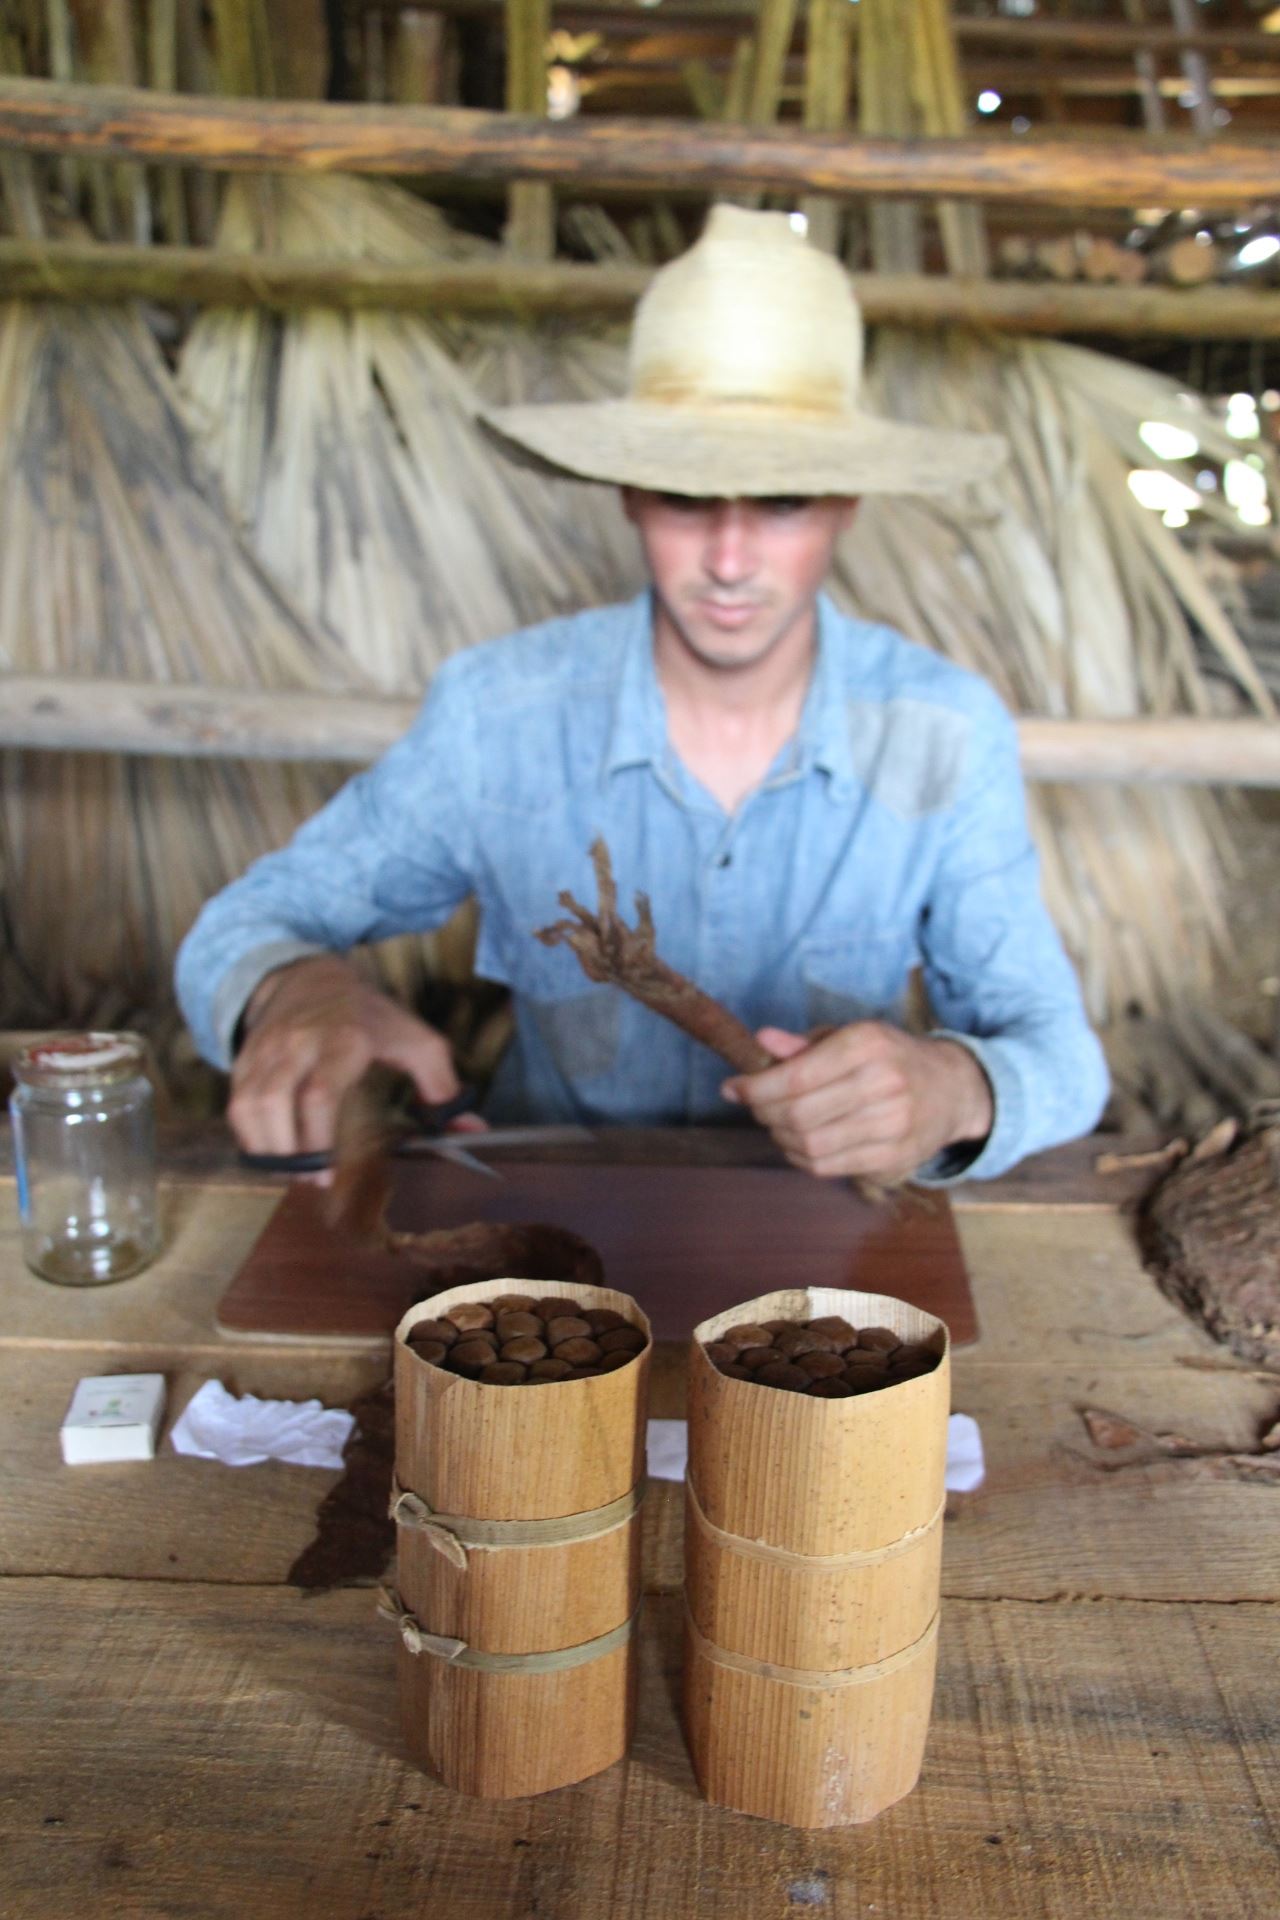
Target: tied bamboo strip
459	1654
452	1534
762	1550
819	1681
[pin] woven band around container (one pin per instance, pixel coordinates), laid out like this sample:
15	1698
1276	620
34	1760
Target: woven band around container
459	1654
816	1562
453	1534
822	1681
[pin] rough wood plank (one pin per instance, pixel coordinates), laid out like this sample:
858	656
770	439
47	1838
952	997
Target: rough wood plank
171	1518
285	135
1049	1283
1055	1518
230	1752
166	1310
1050	1520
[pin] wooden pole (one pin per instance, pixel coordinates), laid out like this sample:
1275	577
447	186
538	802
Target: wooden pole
317	137
73	270
109	716
1088	36
530	232
828	61
885	106
939	87
162	73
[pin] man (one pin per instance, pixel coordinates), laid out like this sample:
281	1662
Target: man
812	803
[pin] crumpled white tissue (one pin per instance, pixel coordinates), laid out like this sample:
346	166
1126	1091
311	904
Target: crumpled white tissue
669	1452
243	1432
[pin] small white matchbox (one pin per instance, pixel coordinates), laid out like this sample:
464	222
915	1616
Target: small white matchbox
113	1416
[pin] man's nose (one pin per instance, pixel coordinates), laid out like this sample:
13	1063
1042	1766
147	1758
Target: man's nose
729	555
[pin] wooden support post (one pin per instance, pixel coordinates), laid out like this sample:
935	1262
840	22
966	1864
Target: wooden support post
777	20
1195	71
940	90
17	170
531	218
885	107
826	100
162	73
420	60
1147	72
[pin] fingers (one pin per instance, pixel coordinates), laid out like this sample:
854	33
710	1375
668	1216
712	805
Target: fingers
877	1140
846	1103
781	1044
305	1054
854	1065
286	1089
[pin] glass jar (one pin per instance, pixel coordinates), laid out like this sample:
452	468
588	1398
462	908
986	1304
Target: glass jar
84	1143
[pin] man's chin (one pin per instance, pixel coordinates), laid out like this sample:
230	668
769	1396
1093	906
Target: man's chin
744	646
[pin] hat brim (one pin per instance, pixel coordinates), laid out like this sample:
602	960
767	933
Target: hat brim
722	454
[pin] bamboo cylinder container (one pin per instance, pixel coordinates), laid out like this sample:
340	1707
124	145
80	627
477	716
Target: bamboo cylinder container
518	1560
812	1575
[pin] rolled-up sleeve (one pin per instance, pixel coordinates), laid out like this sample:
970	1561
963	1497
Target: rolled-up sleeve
389	854
998	977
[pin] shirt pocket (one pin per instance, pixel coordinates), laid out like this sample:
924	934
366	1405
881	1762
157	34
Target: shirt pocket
855	976
581	1031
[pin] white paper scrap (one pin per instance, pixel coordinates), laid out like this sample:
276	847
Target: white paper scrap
669	1452
668	1449
966	1467
243	1432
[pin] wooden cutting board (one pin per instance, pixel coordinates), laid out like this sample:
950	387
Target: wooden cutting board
684	1241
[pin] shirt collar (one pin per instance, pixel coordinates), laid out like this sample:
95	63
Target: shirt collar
638	729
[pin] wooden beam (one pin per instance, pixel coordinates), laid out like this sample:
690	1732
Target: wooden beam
75	271
318	137
108	716
1092	36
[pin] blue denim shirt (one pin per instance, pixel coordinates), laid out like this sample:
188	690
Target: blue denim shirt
890	830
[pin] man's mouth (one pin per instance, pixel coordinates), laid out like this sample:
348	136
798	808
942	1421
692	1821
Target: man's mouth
728	614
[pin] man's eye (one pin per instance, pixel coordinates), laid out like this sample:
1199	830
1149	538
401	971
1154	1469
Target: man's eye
683	502
784	503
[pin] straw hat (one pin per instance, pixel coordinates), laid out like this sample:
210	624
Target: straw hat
745	370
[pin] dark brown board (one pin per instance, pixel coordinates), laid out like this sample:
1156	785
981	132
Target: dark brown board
685	1242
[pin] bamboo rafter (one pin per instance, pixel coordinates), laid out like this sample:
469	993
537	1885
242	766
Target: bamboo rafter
309	136
60	714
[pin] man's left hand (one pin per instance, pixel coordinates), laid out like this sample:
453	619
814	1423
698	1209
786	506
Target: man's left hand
866	1099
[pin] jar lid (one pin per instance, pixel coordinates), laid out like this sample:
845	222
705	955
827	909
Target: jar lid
80	1060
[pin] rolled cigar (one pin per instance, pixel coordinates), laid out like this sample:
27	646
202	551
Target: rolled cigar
526	1347
470	1315
568	1326
442	1330
509	1326
621	1340
578	1352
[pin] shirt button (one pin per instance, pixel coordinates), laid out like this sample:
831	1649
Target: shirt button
725	860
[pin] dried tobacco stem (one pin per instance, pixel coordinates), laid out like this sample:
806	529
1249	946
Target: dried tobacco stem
621	956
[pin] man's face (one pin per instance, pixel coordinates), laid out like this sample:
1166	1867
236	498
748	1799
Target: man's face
736	578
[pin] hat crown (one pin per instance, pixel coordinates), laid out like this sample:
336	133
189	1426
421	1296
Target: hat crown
750	317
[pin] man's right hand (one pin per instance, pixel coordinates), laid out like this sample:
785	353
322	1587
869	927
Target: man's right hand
311	1031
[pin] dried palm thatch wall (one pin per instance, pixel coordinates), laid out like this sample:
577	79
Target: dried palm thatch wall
365	527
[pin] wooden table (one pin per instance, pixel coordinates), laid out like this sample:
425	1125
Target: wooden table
186	1736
